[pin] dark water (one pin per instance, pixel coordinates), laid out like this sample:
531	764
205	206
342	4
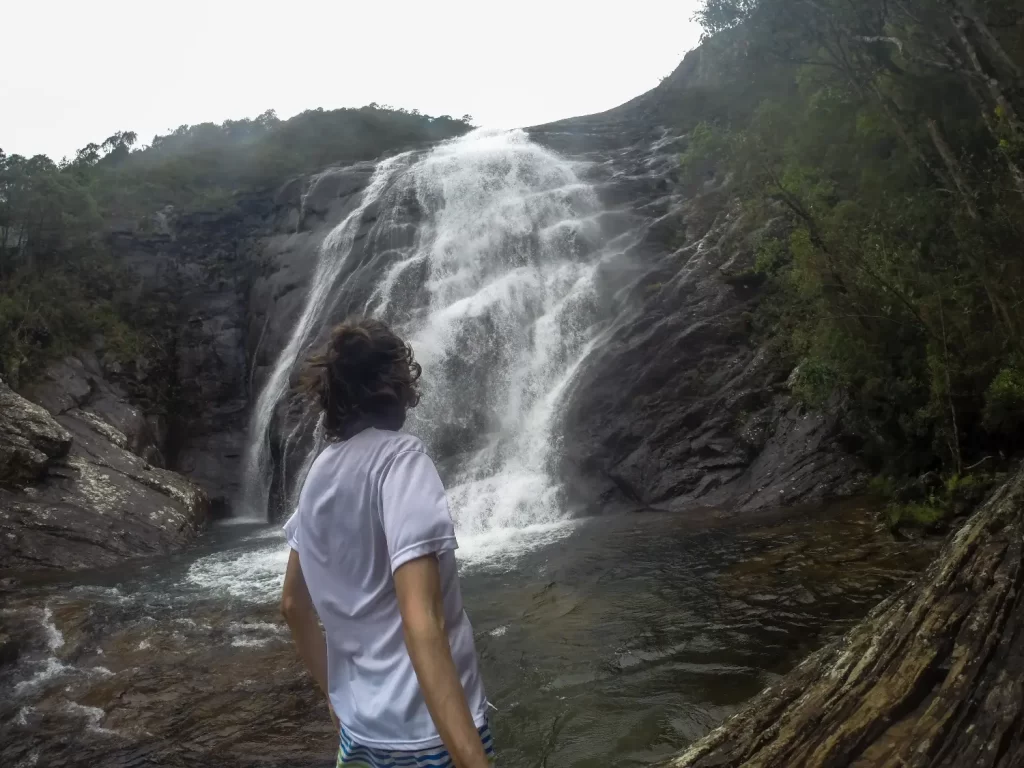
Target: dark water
612	641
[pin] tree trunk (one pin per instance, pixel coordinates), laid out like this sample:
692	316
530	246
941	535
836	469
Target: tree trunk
999	309
953	169
966	10
954	443
934	677
991	82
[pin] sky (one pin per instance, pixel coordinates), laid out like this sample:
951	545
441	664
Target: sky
88	68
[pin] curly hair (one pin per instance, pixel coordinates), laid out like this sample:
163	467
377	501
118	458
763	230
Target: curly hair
364	376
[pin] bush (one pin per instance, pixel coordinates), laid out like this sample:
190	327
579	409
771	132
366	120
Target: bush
926	516
1004	402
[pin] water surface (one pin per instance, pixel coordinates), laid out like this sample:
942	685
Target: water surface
605	641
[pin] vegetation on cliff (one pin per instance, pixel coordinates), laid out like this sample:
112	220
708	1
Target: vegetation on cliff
58	284
884	143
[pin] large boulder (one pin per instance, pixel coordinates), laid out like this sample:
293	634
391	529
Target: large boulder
80	382
73	494
29	439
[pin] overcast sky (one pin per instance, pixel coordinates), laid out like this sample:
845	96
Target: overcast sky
77	70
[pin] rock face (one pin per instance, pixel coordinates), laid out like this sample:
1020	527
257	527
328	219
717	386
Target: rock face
199	267
233	283
75	488
679	406
305	211
931	678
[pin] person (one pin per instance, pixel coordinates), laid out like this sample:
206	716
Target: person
372	557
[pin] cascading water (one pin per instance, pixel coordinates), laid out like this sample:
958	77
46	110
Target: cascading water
496	294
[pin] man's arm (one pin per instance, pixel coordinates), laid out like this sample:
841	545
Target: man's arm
418	584
298	610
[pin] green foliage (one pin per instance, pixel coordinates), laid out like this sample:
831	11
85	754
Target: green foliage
899	289
934	509
707	147
1004	402
205	165
47	315
956	485
927	516
59	286
883	486
771	256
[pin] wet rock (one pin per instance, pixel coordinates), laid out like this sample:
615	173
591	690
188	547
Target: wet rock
29	439
10	649
201	271
709	420
76	497
81	384
329	189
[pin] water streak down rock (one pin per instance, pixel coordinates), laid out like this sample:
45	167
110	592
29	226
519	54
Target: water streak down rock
584	348
678	406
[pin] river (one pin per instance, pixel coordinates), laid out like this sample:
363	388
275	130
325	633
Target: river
610	640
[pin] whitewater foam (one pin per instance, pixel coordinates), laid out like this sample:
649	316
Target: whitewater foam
252	575
93	717
46	670
54	637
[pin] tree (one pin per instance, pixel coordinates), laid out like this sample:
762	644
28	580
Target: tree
117	147
890	142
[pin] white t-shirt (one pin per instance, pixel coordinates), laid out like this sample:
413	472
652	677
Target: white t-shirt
370	504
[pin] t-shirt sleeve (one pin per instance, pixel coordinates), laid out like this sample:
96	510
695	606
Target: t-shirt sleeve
414	509
291	530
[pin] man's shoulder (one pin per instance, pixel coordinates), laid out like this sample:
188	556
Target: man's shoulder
391	444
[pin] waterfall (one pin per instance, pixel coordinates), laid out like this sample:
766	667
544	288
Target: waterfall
496	293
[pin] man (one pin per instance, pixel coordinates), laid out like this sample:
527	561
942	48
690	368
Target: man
373	557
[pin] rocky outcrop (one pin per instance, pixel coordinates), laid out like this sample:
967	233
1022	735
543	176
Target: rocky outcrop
75	488
931	678
677	406
29	439
82	386
305	212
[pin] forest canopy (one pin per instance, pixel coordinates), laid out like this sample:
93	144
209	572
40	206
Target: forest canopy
58	284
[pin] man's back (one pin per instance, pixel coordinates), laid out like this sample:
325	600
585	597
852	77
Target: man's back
369	505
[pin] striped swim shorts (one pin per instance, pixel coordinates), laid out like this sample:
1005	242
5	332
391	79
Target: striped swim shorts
353	755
